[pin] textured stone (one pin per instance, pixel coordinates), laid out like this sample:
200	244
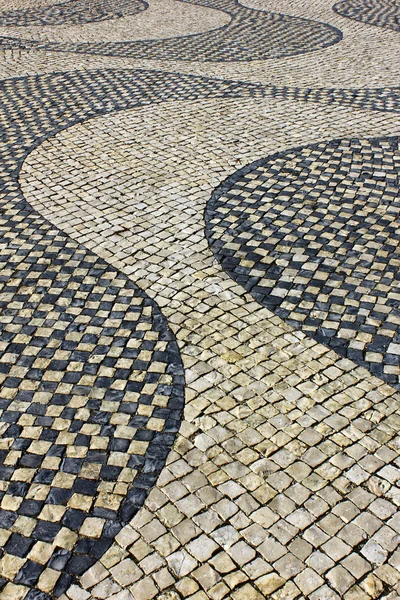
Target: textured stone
287	447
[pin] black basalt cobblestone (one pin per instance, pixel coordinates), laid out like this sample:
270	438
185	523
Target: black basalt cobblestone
380	13
312	234
73	12
92	376
250	35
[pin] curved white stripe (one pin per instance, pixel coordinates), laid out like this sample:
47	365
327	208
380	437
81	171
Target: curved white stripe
162	19
133	186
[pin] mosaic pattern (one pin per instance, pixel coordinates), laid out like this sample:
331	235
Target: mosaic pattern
91	376
283	480
251	35
312	234
91	402
92	380
73	12
381	13
259	395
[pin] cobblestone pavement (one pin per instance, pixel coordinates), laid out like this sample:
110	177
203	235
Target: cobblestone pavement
249	35
71	13
381	14
199	288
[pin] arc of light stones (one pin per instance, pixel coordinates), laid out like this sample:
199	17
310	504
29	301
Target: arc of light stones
101	128
26	235
56	102
250	35
54	428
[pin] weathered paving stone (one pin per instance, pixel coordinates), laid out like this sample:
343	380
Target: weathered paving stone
71	13
378	12
250	34
225	469
318	244
283	479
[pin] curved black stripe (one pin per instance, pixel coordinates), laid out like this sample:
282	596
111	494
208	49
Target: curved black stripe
312	233
250	35
54	284
380	13
72	12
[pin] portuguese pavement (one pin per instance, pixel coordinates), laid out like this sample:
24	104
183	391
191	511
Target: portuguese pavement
199	300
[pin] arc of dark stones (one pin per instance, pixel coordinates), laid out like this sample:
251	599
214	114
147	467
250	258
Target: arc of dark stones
62	285
250	35
311	234
380	13
73	302
72	12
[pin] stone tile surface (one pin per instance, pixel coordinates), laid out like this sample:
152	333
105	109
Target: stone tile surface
199	300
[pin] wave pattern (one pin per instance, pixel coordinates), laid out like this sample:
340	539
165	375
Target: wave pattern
381	13
73	12
250	35
312	234
92	377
